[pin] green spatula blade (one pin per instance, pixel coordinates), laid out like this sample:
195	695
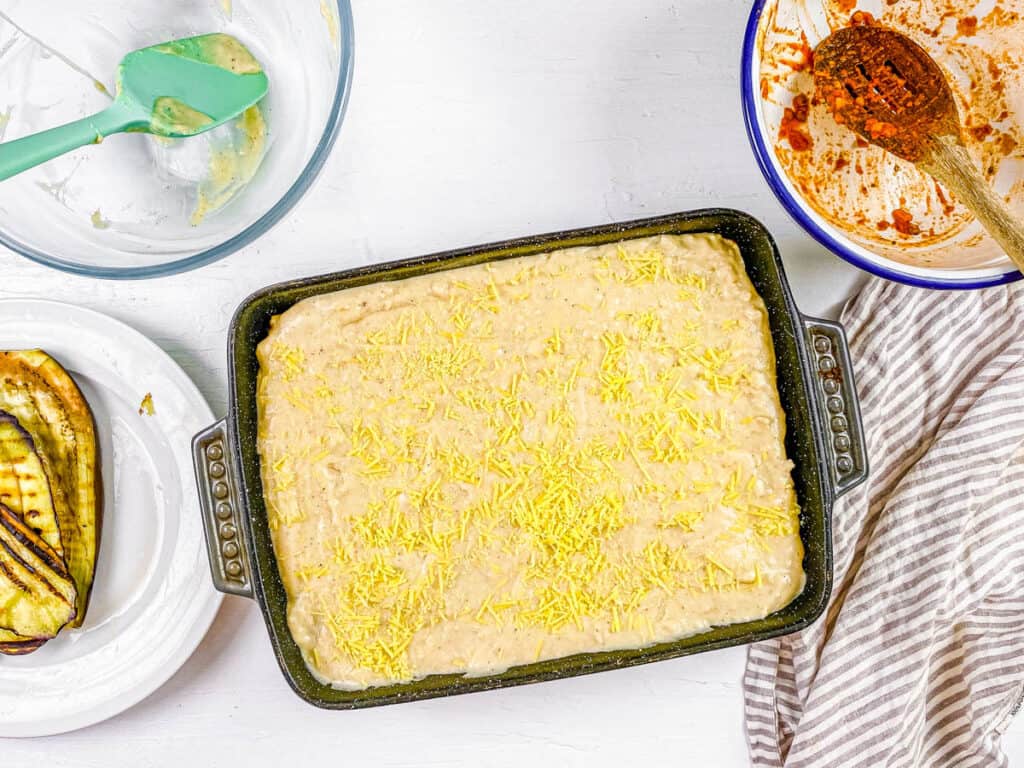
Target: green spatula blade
176	90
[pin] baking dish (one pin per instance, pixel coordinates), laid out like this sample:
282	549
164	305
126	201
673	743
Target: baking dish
824	440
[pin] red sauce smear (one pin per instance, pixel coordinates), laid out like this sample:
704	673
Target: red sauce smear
982	132
947	206
967	26
794	121
903	222
862	19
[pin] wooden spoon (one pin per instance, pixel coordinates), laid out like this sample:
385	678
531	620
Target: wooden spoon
885	87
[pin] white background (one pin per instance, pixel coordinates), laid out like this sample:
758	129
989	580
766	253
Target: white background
471	120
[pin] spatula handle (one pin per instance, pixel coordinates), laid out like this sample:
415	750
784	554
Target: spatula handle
21	154
952	165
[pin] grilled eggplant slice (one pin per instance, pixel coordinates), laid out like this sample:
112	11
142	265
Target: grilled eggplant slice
13	644
37	595
36	390
24	485
25	490
21	647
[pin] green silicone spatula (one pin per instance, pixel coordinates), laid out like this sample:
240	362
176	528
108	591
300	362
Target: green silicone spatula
176	90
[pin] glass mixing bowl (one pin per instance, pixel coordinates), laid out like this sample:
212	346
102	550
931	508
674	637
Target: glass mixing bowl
137	206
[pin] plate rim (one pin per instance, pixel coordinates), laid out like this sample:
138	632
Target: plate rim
123	700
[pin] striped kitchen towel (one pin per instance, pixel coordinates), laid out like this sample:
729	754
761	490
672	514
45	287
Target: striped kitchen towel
918	661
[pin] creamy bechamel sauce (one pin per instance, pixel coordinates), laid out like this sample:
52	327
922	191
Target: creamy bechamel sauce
487	467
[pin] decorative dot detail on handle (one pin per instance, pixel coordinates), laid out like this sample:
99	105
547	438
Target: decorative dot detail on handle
228	558
830	378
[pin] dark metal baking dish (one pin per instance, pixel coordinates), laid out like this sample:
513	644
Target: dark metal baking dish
824	440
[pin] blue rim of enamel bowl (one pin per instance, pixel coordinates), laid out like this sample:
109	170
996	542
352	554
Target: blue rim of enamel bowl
797	208
262	225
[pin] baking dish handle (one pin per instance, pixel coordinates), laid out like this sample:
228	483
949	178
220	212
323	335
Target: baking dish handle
835	395
221	506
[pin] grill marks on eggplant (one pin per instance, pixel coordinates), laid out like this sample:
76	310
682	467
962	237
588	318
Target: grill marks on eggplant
21	647
49	497
36	601
7	572
24	484
23	586
25	537
46	401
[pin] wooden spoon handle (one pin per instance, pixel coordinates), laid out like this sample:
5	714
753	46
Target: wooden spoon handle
952	166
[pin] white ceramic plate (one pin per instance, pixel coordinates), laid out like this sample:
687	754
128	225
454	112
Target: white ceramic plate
153	599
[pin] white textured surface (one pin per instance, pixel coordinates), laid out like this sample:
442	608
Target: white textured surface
471	120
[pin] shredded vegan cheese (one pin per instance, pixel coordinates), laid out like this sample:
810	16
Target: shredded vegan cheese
573	452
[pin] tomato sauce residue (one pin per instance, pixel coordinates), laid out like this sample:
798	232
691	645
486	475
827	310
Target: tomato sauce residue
794	124
903	222
796	55
871	91
967	26
878	200
947	206
803	56
982	132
